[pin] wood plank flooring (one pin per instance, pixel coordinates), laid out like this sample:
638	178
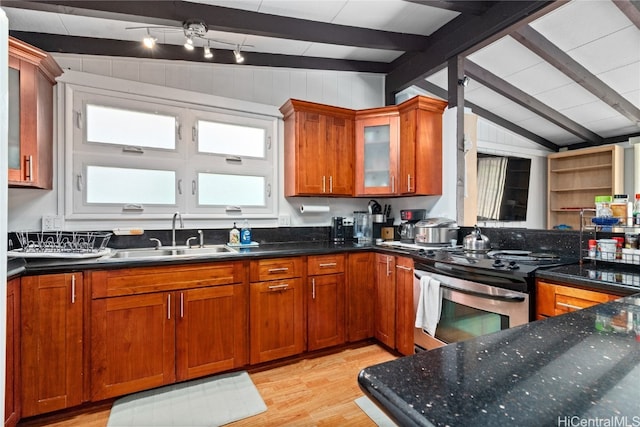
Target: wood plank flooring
318	391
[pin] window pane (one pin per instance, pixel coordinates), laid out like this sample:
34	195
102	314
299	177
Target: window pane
231	190
135	186
223	138
126	127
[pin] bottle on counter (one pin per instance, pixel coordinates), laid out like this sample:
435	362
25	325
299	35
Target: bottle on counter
234	235
603	206
622	208
636	210
245	233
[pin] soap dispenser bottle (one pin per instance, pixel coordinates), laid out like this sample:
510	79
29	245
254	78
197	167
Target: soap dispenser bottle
234	235
245	233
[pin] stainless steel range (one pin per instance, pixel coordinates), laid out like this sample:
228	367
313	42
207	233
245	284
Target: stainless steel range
475	293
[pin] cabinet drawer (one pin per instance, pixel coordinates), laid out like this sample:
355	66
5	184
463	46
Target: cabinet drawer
275	269
131	281
325	264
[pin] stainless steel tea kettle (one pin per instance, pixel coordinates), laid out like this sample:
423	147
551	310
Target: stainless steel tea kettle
476	241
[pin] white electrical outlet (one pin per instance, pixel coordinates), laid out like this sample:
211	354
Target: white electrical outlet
284	220
51	223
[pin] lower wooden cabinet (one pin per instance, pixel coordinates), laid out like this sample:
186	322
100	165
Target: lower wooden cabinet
385	300
405	318
325	301
553	299
164	337
12	371
360	295
51	342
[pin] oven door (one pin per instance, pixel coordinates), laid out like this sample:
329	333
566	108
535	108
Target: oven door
469	309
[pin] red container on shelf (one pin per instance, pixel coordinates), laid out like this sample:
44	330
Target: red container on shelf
619	246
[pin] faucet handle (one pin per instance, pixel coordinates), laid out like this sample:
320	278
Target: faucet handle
157	241
201	234
188	242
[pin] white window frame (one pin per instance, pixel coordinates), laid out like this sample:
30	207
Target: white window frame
185	160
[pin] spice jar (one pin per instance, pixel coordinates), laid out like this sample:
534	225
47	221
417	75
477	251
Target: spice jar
593	245
619	245
631	241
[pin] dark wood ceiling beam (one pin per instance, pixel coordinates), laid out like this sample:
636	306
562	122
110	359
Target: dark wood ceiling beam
548	51
121	48
631	8
609	140
475	7
527	101
462	35
225	19
484	113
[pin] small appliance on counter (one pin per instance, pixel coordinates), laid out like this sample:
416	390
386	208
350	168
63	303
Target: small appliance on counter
409	218
436	231
337	229
362	227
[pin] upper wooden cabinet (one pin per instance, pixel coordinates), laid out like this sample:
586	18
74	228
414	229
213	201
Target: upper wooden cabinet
577	176
32	74
319	149
420	150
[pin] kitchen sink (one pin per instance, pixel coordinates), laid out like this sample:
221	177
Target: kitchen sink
172	252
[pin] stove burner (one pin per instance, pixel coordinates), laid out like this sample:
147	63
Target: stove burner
523	256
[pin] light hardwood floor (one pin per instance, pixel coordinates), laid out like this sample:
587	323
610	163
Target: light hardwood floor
318	391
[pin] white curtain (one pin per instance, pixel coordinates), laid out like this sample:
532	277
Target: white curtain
492	173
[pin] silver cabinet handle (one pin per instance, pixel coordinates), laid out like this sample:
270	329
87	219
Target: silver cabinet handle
181	304
408	182
169	306
327	264
73	289
393	183
278	270
574	307
388	269
402	267
324	188
29	172
330	183
282	287
313	288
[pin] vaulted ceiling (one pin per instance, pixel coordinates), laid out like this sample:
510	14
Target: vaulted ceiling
560	73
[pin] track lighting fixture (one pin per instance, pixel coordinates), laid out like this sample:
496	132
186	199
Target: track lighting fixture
464	81
207	51
149	41
188	44
238	55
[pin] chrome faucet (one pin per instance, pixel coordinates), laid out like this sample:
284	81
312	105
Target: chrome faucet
173	227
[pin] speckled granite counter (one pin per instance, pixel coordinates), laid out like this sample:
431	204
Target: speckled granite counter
557	371
617	278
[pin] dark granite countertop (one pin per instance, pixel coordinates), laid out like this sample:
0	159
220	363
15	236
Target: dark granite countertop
565	370
622	279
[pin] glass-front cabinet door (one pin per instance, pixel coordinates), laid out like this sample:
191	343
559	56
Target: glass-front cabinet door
377	153
14	154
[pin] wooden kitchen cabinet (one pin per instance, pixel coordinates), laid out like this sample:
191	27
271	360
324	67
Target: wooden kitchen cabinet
576	177
51	342
360	291
12	361
325	301
377	151
277	323
553	299
155	326
405	317
32	74
385	300
319	149
420	152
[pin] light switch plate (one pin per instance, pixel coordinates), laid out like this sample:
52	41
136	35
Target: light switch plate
284	220
51	222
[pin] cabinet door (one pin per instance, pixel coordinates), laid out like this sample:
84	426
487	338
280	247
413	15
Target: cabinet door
51	335
326	312
360	296
211	330
12	372
405	318
385	300
277	323
376	155
141	355
340	149
312	154
554	299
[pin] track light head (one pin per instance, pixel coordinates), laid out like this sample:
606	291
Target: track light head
238	55
149	41
188	44
464	81
207	52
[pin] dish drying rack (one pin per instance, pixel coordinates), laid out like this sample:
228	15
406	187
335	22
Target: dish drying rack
73	242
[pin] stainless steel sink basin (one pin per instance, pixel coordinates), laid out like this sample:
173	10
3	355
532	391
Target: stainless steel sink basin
172	252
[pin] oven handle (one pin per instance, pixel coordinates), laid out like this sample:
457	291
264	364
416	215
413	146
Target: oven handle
446	282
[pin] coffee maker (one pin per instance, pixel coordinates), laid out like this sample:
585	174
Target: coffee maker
337	229
409	217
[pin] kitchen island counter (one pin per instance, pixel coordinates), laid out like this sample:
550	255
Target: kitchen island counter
583	365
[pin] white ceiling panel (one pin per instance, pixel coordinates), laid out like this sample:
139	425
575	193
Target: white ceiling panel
604	54
588	113
540	78
612	126
553	133
580	22
505	57
30	20
566	96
